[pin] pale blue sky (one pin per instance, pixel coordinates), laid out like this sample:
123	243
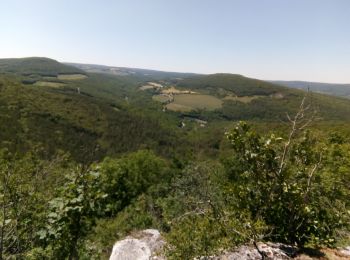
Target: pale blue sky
266	39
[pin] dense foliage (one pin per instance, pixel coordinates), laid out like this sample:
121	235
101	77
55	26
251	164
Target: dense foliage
287	190
36	65
81	169
81	125
290	186
293	190
229	83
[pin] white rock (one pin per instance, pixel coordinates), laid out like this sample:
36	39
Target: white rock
148	245
345	251
143	245
248	252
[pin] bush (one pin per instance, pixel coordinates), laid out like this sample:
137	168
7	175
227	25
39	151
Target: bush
199	217
294	186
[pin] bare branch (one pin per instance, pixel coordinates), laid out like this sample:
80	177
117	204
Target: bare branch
298	123
309	180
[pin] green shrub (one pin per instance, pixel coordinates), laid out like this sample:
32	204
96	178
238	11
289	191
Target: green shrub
294	186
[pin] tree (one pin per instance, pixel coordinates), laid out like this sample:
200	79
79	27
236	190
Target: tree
72	213
284	183
23	195
94	192
126	178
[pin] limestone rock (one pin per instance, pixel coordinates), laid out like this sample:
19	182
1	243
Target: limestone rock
143	245
346	251
148	245
271	251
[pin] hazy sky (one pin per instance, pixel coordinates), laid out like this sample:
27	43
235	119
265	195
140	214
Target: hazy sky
266	39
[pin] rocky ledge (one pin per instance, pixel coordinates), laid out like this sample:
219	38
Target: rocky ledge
148	244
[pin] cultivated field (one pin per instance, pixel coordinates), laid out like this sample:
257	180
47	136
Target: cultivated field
244	99
178	108
49	84
71	76
162	98
187	102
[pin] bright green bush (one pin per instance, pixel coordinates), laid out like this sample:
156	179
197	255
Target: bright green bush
296	186
125	179
96	192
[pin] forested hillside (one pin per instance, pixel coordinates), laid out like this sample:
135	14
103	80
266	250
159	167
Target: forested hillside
35	65
212	161
341	90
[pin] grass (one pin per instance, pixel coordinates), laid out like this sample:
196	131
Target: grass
178	108
49	84
193	102
71	76
244	99
161	98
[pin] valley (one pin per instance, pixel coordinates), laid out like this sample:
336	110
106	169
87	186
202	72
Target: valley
175	130
117	150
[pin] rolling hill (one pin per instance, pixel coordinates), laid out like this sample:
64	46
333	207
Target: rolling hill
123	71
36	66
91	152
63	119
341	90
108	114
241	98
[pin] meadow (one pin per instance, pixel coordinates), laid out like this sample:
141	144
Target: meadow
71	76
194	101
50	84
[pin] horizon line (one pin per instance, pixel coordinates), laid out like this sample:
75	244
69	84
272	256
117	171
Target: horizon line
180	72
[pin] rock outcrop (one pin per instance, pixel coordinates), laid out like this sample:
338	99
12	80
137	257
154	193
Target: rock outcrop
143	245
270	251
346	251
149	244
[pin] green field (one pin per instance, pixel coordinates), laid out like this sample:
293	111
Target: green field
162	98
244	99
49	84
178	108
71	76
188	102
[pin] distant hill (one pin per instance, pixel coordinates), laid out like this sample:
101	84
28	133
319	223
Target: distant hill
36	65
122	71
62	107
237	84
217	96
262	100
341	90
